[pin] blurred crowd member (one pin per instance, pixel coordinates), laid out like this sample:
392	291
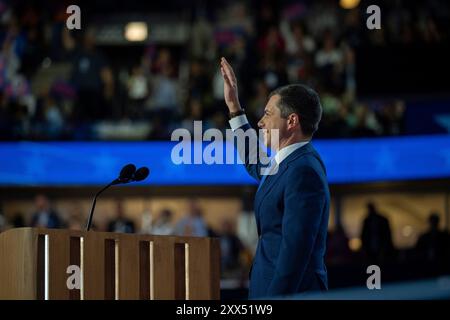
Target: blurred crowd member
300	48
238	19
11	42
195	113
231	249
202	43
44	216
138	92
164	93
146	222
366	124
272	67
298	42
92	78
5	119
199	85
391	118
322	17
163	103
121	223
17	220
193	223
48	120
338	250
163	225
217	90
272	43
261	92
3	223
433	247
246	224
76	221
329	61
376	237
337	118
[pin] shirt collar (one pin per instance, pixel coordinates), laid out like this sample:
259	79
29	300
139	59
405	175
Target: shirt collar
286	151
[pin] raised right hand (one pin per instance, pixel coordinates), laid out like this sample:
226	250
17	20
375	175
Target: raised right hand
230	88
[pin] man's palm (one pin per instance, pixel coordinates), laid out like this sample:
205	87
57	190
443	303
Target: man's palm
230	88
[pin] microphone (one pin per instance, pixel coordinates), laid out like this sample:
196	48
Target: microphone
141	174
126	175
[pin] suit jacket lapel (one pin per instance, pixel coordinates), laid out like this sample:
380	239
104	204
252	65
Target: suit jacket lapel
270	181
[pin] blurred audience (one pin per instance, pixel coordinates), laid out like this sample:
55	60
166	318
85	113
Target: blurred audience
3	222
376	237
77	221
163	225
231	249
44	216
338	250
121	223
246	224
346	258
92	80
192	224
433	247
57	84
17	221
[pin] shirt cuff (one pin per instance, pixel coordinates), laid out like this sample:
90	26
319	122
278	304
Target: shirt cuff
237	122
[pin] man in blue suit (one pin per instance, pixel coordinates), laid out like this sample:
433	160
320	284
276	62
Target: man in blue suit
292	201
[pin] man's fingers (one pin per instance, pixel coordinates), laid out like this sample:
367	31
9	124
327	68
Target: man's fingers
225	77
225	62
228	69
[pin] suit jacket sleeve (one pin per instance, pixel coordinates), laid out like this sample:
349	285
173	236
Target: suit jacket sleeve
304	201
248	151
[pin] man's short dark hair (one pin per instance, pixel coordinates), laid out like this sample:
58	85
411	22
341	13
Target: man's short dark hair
303	101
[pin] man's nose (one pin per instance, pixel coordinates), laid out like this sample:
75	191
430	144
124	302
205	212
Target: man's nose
261	124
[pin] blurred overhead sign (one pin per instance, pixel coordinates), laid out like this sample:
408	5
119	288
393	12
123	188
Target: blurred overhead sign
94	163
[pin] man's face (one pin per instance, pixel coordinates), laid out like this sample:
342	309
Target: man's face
272	120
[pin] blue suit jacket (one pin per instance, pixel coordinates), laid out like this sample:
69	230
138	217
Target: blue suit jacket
292	210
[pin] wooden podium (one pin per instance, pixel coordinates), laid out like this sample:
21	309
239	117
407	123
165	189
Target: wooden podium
35	264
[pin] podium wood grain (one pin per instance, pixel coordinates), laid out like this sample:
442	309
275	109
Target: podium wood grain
113	265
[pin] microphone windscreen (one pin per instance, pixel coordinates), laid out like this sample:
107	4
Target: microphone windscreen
141	174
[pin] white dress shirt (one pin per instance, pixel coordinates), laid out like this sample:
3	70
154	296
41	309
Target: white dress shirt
283	153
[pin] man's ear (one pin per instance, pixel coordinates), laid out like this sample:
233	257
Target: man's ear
293	120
